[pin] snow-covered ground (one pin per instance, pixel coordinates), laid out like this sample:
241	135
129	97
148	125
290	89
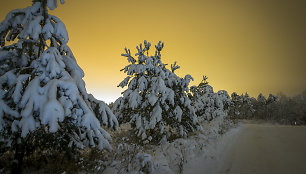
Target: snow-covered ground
204	148
246	147
255	147
211	159
267	149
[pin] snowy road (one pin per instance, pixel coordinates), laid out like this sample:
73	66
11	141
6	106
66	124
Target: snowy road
267	149
255	149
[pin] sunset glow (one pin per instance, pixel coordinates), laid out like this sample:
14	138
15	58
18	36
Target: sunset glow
242	46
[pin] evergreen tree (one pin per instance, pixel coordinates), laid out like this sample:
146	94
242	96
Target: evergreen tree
242	107
261	107
271	99
208	104
235	106
247	108
272	107
155	101
43	99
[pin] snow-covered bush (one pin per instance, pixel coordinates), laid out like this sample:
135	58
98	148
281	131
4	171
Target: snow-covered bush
42	94
155	101
208	104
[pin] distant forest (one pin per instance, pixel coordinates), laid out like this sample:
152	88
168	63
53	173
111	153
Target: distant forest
281	108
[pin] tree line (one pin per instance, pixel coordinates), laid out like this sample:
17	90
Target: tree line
280	108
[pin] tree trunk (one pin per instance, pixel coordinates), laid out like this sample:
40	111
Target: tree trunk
45	15
18	158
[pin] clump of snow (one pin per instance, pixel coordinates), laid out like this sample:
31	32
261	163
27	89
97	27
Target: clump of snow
144	163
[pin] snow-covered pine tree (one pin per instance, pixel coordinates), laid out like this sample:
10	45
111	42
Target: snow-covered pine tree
271	99
155	101
261	99
208	104
236	105
247	108
272	107
41	86
242	107
261	107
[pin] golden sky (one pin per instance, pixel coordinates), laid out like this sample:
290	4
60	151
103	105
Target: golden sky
241	45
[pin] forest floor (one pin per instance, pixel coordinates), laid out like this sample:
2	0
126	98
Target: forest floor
257	147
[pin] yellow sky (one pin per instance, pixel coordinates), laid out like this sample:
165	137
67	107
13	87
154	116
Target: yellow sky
241	45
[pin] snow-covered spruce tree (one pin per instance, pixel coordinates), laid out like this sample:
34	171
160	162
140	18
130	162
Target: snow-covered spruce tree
247	108
271	99
155	101
235	106
42	94
208	104
261	107
272	107
242	107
